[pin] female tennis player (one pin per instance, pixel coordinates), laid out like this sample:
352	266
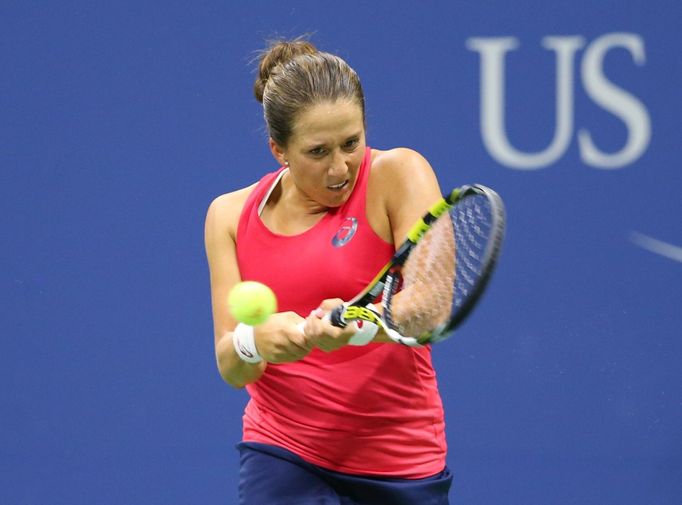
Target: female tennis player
335	416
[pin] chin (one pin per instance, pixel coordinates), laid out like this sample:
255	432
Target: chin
334	203
338	200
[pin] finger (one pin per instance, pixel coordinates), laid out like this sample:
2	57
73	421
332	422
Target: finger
314	326
329	304
301	342
327	345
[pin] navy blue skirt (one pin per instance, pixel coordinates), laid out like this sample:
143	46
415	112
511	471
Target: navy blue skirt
271	475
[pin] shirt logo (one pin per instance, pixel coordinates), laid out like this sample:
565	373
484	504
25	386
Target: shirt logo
346	232
245	351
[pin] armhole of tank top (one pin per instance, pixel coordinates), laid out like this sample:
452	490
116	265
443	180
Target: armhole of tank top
367	175
363	177
264	201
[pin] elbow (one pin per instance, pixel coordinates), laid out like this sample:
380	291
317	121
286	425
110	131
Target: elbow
232	380
239	374
228	375
232	369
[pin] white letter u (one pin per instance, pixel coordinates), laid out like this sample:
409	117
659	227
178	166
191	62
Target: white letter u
492	115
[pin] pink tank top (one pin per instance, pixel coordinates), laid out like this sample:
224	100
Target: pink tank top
371	410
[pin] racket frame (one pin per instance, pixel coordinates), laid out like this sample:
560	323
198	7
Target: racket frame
387	280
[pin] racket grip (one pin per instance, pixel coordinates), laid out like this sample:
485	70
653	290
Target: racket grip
336	316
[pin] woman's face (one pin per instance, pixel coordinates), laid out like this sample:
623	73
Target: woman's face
325	151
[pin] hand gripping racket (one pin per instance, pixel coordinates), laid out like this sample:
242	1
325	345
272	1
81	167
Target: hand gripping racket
437	275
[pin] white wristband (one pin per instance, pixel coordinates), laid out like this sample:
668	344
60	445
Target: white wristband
366	331
245	343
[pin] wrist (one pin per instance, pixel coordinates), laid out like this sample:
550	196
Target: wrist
366	330
365	333
244	341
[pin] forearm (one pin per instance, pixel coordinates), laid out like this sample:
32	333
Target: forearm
233	369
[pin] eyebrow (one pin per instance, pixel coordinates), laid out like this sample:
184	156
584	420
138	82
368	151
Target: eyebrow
316	145
349	137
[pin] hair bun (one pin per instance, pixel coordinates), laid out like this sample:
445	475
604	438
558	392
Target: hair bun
278	54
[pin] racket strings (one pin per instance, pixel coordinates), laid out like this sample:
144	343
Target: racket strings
473	220
442	272
428	279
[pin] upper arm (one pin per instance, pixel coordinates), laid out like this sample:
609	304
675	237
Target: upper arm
219	237
409	187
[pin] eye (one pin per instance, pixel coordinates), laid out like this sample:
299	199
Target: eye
317	151
351	143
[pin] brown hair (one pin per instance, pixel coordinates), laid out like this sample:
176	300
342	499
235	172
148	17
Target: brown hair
293	75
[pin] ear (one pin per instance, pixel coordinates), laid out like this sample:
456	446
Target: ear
277	152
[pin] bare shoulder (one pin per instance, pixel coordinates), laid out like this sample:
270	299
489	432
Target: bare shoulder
401	170
402	186
400	162
223	212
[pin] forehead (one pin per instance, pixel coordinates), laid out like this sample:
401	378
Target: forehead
322	120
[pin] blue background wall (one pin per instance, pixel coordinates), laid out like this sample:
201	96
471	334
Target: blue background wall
121	121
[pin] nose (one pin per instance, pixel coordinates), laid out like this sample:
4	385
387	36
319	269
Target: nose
339	165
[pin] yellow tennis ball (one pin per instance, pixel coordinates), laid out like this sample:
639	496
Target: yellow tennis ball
251	302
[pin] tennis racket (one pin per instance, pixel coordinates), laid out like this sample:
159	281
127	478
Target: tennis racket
435	278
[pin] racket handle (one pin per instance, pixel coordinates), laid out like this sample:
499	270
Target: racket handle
336	316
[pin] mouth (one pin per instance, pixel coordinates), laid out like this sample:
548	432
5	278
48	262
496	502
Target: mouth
338	187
